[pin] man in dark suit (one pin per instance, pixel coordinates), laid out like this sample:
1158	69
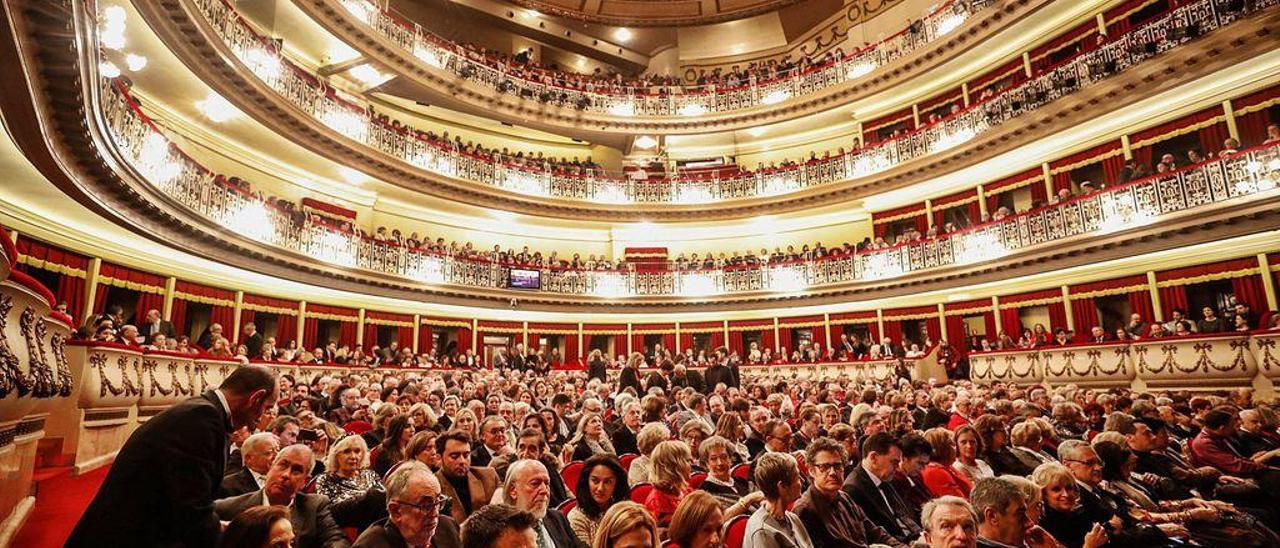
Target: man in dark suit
251	339
413	513
258	451
154	325
829	515
527	488
469	487
493	441
313	525
624	438
161	488
871	486
719	373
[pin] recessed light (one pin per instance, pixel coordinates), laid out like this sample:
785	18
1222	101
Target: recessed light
216	108
135	62
623	34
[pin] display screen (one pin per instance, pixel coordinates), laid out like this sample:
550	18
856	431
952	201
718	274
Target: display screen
525	279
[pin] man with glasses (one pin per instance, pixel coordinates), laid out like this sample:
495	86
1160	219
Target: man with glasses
829	515
493	437
1095	502
313	524
870	485
258	451
413	509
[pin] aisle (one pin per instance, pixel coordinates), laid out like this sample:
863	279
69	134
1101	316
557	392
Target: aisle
60	500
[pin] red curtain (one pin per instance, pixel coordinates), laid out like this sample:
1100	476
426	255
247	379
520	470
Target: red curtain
1253	125
347	333
934	326
571	357
1085	313
1039	195
147	301
1011	322
1061	180
1057	315
686	340
370	336
71	290
1212	137
1111	168
310	331
669	342
620	344
286	328
1249	290
1171	297
425	343
1142	157
100	299
404	335
637	342
464	339
784	341
893	330
717	339
956	336
246	316
735	343
178	316
766	339
1140	302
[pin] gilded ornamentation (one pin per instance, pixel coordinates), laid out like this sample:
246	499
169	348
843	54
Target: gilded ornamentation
1266	346
10	373
177	386
39	379
58	345
149	366
99	361
130	387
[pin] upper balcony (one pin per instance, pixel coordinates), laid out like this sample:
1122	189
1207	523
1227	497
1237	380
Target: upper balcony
257	75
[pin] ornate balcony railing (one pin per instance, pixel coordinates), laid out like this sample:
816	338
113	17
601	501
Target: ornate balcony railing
638	100
1246	174
327	105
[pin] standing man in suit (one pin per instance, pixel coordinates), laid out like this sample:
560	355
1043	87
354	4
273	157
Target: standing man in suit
527	488
160	489
251	339
258	451
413	513
156	326
470	487
313	525
870	485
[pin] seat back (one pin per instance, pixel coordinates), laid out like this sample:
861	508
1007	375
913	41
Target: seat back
735	532
626	460
742	471
570	474
696	479
567	505
358	427
640	492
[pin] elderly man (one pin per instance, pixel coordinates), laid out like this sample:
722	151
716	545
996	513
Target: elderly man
1001	509
258	451
413	513
493	441
251	339
160	489
214	331
829	515
950	522
1254	436
313	525
528	487
624	438
154	325
350	403
1101	506
500	526
470	487
532	445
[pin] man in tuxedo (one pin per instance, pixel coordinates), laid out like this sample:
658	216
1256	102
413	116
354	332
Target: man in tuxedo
251	339
313	525
469	487
413	513
829	515
155	326
493	440
527	488
161	488
624	438
257	453
870	485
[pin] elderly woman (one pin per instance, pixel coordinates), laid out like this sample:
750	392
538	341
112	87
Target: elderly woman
590	439
997	454
601	485
466	422
692	434
1076	526
733	494
422	417
422	448
938	475
670	465
773	526
1069	421
968	447
347	480
627	525
649	437
1028	444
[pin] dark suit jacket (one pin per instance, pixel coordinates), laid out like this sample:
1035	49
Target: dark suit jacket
935	417
863	491
695	381
385	535
598	369
482	483
237	484
480	456
629	377
235	463
561	533
165	327
313	525
254	344
717	374
624	441
160	489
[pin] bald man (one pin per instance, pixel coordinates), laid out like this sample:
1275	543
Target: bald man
413	513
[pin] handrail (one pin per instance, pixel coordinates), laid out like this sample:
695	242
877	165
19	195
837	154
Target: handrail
536	177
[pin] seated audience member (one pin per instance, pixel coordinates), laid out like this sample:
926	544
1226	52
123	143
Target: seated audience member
601	484
399	431
627	525
870	487
697	522
590	439
532	445
1213	447
949	522
907	481
414	507
1100	505
733	494
422	448
313	525
1001	508
625	437
670	466
527	487
939	475
960	410
500	526
968	447
650	436
996	452
1210	322
773	526
1257	432
469	487
1028	444
346	481
257	452
493	440
259	527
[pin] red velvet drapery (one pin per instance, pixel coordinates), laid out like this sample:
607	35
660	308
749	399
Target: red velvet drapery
1252	116
893	330
404	335
957	336
310	332
620	344
286	328
784	341
1032	177
686	340
178	316
1140	303
426	341
1011	322
71	268
464	339
347	334
717	339
1085	313
972	209
1172	298
572	356
370	336
147	301
1249	290
1057	315
915	212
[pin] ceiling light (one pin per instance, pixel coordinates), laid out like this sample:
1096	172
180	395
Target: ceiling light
113	14
756	131
135	62
646	142
532	14
368	75
339	53
216	108
108	69
623	34
353	176
361	9
112	39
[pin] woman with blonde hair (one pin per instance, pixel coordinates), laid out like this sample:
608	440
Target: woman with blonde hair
671	464
627	525
346	480
649	437
591	438
697	522
422	417
466	421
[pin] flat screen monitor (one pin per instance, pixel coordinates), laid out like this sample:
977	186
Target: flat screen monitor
525	279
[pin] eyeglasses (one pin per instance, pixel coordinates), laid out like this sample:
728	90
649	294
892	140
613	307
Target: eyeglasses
829	466
429	507
1090	462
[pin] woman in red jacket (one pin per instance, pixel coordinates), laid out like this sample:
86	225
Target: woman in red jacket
939	476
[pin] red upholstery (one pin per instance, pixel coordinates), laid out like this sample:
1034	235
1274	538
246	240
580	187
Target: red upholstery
626	460
735	531
6	245
34	285
640	492
742	471
567	505
373	453
358	427
570	474
695	480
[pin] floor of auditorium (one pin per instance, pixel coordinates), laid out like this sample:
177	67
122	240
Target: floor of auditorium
61	498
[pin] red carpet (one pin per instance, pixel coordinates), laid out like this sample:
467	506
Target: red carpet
60	500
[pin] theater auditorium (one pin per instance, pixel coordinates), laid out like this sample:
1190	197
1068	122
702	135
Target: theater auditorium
640	273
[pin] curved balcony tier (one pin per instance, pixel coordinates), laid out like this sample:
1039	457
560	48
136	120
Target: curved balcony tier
283	96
